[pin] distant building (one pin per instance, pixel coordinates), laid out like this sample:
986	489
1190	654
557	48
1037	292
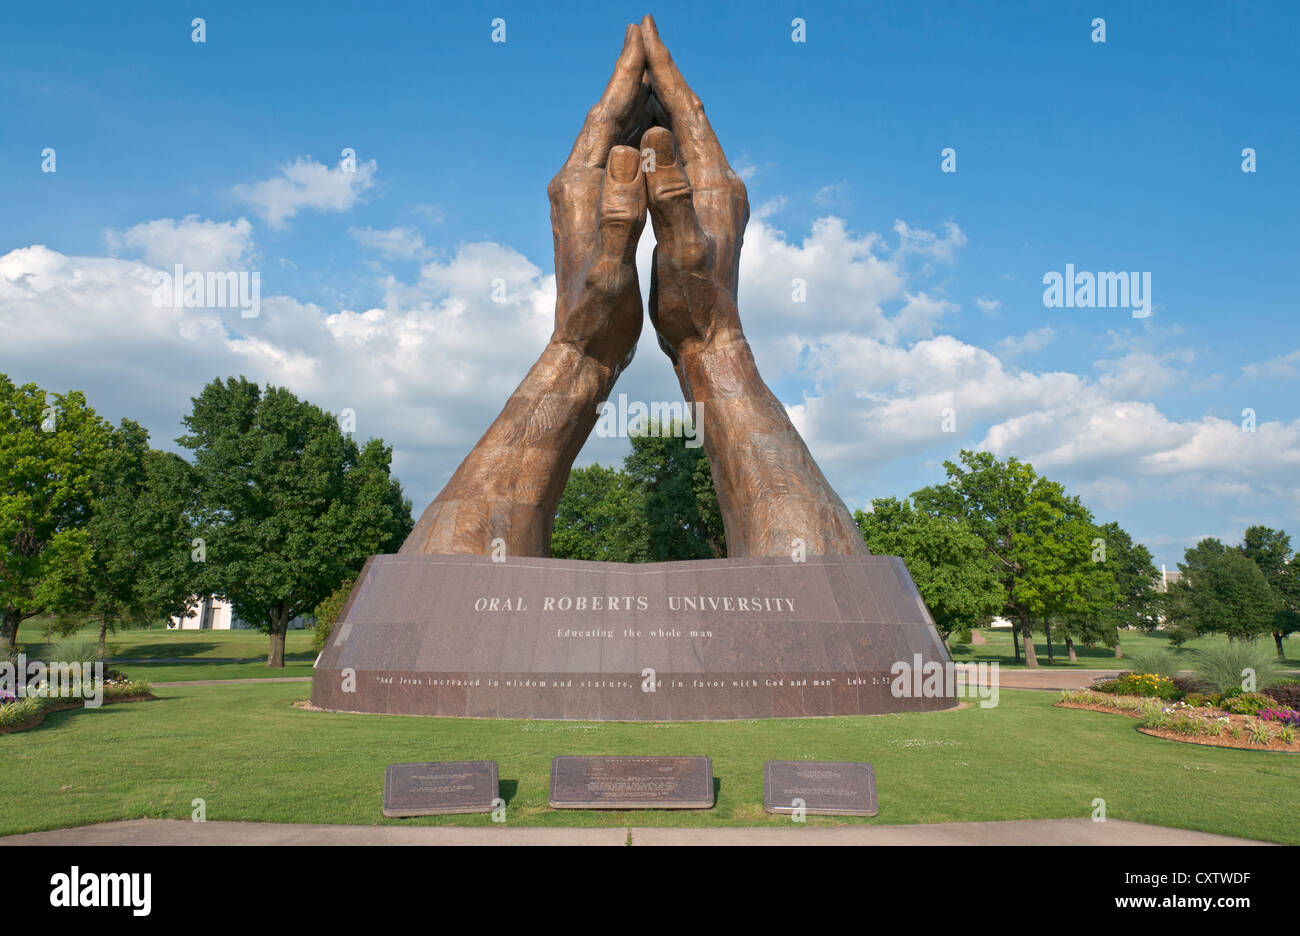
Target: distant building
213	613
1167	578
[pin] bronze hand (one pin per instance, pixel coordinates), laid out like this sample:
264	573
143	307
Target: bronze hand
508	486
770	491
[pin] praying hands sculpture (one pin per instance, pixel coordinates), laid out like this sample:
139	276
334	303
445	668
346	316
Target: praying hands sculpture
646	146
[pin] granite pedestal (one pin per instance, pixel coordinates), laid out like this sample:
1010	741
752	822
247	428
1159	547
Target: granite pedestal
678	641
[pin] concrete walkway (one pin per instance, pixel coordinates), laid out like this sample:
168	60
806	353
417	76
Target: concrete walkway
222	682
1048	678
1022	832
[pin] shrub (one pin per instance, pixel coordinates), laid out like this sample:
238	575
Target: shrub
1248	703
327	612
1145	684
1286	734
125	690
1287	694
1259	733
1219	668
20	710
1158	661
1184	684
76	651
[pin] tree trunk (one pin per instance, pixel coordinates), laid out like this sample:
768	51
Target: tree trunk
1027	631
1047	628
1119	654
1277	639
1015	640
9	630
1069	645
103	632
279	627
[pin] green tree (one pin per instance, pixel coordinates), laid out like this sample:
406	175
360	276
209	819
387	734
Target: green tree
164	511
681	504
140	527
1038	540
51	448
947	560
1062	575
327	614
1121	594
1271	550
661	506
601	516
289	506
1223	591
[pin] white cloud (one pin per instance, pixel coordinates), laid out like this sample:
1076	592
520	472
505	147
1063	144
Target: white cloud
928	244
429	373
835	195
399	243
988	304
1286	365
1028	343
197	244
305	183
431	367
432	213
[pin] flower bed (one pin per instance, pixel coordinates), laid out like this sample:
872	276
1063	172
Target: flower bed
20	714
1197	724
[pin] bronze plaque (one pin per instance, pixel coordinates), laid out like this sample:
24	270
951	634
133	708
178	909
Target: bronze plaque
632	783
820	788
439	789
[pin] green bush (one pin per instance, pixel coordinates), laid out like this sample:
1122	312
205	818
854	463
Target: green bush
1142	684
76	651
327	612
126	690
1219	668
12	713
1158	661
1286	694
1247	703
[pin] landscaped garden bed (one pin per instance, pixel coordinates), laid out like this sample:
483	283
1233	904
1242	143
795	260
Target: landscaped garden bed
19	714
1269	727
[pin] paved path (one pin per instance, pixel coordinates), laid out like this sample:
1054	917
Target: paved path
1009	678
198	659
1022	832
222	682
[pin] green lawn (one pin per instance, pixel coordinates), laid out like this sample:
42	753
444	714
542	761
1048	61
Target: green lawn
999	649
252	756
184	655
162	671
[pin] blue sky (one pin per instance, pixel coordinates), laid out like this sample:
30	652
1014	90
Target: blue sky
925	288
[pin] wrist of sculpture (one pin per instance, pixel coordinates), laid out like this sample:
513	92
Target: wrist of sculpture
511	482
720	367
